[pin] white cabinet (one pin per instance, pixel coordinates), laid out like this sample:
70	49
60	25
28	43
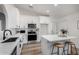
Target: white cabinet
20	45
45	20
36	19
18	48
25	20
25	39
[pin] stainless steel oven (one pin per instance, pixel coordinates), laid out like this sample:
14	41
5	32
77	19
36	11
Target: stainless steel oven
32	34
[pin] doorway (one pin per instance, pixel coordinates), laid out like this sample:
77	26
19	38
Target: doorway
43	29
2	21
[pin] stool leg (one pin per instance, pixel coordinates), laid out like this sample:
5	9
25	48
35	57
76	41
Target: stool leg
63	51
68	50
58	51
71	49
52	49
76	50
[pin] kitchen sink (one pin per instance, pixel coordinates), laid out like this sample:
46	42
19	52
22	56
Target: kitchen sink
12	39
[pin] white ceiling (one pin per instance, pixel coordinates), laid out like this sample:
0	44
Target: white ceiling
55	11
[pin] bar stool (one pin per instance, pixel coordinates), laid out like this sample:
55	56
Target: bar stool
58	46
71	44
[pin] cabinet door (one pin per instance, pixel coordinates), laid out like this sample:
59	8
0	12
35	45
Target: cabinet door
25	40
36	20
44	19
19	48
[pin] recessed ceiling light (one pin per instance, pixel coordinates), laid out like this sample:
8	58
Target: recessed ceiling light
31	5
55	4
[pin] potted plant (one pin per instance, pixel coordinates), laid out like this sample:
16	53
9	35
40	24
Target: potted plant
63	33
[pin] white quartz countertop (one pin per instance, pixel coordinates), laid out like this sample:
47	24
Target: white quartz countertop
7	48
57	38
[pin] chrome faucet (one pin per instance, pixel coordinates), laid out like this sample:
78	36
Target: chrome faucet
5	32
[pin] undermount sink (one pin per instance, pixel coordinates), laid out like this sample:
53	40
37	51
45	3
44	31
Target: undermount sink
12	39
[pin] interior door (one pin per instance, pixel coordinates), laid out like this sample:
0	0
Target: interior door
43	29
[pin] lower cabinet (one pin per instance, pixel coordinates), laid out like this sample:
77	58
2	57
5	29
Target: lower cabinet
18	49
19	46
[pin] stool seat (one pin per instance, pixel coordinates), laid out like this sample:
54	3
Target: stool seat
59	46
70	43
57	43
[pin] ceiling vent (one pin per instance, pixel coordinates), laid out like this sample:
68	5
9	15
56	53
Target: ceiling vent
31	5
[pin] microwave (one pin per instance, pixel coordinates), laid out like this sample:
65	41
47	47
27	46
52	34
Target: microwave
32	26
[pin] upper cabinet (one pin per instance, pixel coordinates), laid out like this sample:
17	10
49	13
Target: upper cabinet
25	20
45	20
36	19
29	19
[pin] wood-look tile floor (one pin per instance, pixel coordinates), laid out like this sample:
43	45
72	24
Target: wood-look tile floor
74	51
33	48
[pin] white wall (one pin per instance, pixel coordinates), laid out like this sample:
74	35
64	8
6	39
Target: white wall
70	23
54	25
12	16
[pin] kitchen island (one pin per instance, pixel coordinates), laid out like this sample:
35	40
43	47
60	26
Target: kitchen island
8	47
47	42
